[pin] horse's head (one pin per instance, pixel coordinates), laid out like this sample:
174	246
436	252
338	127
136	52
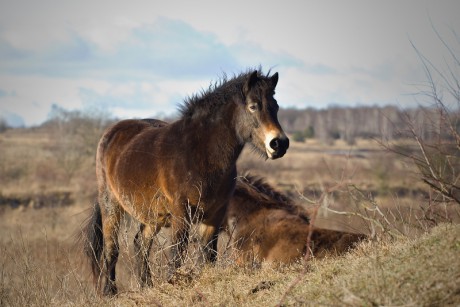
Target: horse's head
261	126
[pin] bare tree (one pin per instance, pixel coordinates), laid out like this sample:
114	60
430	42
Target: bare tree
75	135
436	131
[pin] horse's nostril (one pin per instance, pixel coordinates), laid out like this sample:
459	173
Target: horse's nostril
274	144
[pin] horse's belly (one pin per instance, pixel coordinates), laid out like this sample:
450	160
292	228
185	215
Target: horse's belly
148	208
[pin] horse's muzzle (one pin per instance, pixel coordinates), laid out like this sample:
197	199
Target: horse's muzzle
279	147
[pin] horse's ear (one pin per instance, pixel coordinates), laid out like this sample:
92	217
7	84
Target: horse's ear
274	79
250	82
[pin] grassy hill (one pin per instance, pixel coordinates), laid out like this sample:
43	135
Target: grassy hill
410	272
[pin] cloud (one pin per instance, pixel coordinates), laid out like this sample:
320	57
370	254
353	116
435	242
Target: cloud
166	48
250	54
171	48
72	58
142	98
130	60
8	52
151	70
12	119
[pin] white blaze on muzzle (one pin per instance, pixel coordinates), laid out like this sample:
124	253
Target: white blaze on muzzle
270	136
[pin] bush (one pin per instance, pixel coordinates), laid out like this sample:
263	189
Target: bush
437	138
301	136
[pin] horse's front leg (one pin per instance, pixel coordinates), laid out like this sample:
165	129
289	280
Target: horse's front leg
209	237
209	233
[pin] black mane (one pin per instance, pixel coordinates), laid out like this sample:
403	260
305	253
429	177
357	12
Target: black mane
265	189
217	94
273	198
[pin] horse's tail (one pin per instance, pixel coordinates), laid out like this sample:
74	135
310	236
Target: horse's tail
93	245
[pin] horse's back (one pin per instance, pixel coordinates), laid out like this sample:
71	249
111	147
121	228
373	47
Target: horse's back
131	136
275	229
120	134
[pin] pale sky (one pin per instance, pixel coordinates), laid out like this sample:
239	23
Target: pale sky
142	58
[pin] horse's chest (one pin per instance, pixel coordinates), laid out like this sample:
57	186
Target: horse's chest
212	190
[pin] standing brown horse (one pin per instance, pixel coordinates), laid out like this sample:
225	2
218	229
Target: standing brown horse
176	174
266	225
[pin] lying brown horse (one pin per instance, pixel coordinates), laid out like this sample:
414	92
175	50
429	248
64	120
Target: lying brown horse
176	174
266	225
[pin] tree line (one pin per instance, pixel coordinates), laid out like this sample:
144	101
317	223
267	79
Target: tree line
349	123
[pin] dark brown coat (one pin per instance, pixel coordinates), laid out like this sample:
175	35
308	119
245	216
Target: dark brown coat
266	225
179	173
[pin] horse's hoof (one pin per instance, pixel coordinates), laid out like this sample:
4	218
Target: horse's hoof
147	283
171	279
110	290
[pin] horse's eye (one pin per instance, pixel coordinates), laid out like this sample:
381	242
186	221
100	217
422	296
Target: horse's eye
253	107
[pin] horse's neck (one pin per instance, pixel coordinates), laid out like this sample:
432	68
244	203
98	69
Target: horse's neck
224	149
215	142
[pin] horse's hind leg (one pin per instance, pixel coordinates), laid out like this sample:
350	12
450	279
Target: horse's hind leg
180	228
142	245
111	216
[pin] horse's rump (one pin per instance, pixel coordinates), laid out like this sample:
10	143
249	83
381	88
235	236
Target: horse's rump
127	163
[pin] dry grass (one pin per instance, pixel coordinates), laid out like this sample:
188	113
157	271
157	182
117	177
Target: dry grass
422	272
41	266
35	162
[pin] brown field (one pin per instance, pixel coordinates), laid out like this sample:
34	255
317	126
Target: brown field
47	185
